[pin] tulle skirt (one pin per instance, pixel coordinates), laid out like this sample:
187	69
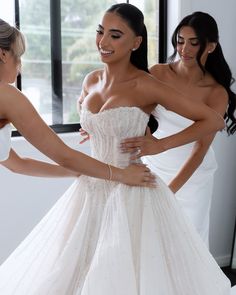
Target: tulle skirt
104	238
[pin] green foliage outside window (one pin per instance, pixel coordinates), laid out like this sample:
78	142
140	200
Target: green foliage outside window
79	20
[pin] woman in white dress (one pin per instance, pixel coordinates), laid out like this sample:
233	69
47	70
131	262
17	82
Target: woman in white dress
103	237
189	170
16	108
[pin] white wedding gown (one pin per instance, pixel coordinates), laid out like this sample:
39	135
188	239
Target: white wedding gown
196	194
107	238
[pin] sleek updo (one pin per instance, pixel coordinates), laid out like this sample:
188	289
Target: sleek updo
11	39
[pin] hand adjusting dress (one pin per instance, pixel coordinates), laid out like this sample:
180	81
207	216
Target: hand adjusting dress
104	238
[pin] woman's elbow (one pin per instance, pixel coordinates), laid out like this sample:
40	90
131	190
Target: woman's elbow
221	123
218	122
14	165
11	168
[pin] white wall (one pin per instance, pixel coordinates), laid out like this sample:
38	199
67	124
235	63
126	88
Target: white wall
24	200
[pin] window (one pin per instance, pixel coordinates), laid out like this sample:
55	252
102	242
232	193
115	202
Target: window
61	50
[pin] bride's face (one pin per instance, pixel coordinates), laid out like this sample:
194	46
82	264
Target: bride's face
115	39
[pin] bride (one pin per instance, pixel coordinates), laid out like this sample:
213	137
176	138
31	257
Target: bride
103	237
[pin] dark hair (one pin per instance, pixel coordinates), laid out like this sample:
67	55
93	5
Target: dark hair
135	20
206	29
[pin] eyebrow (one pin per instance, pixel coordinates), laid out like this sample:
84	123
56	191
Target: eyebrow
111	30
193	38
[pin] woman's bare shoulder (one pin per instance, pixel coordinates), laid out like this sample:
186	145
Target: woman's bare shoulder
158	70
218	96
8	92
89	81
11	100
92	77
5	87
150	80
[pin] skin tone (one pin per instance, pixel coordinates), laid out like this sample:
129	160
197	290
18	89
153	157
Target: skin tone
25	118
186	76
3	122
121	84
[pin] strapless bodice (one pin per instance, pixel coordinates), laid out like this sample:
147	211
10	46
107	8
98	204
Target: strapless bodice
109	127
5	142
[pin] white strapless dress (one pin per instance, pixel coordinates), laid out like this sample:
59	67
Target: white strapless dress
196	194
107	238
5	142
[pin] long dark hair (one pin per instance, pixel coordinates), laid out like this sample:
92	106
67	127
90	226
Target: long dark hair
135	20
206	29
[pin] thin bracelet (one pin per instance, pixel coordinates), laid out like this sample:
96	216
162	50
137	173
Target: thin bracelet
110	172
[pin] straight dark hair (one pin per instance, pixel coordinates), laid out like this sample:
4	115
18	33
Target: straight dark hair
206	29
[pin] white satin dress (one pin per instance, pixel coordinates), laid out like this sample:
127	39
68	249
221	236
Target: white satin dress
196	194
107	238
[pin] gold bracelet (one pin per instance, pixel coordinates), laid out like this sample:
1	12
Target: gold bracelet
110	172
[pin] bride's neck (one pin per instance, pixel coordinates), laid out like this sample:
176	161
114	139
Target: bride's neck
117	73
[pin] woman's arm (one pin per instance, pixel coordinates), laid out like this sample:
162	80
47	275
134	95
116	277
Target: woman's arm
192	163
32	167
207	120
218	101
17	109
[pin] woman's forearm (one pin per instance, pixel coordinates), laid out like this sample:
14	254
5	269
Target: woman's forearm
36	168
192	133
186	171
35	130
192	163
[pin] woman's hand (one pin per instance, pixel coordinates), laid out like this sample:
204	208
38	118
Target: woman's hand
138	175
84	134
142	145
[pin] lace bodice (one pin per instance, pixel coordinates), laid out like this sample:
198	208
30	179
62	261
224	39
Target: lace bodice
109	127
5	142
